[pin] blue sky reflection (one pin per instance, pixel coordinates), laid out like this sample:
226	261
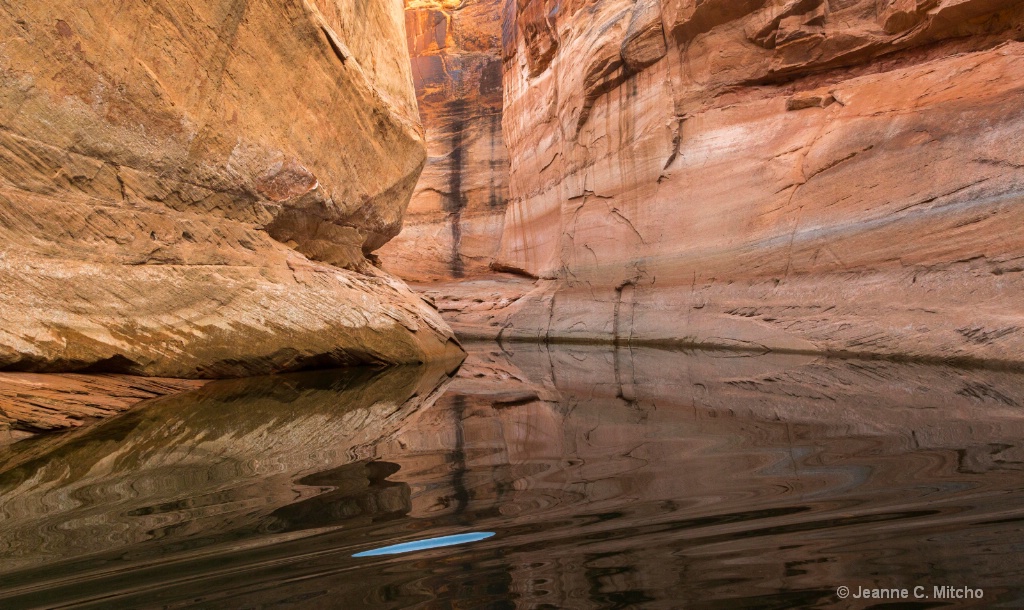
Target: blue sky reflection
429	543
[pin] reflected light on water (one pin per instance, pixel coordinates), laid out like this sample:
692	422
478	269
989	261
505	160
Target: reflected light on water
429	543
617	477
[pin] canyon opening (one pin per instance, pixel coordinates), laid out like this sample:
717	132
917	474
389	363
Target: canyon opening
526	304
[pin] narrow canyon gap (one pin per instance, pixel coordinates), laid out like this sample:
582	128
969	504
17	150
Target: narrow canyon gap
453	225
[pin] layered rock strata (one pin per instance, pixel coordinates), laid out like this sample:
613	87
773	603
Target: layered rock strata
822	176
31	402
192	190
453	225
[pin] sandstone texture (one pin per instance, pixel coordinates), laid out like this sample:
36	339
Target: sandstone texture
195	189
842	176
453	225
33	402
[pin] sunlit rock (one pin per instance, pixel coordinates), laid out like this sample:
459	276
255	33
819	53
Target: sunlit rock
453	225
192	190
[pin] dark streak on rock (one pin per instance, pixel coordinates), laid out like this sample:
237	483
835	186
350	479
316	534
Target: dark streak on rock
334	45
456	202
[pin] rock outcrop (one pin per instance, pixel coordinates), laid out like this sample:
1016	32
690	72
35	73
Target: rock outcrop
193	190
805	175
32	402
453	226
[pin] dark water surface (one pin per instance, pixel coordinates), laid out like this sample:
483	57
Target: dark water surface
608	478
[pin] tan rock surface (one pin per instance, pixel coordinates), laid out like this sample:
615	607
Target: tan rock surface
37	402
821	176
453	225
190	190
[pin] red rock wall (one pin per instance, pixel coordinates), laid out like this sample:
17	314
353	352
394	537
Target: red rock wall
838	175
453	225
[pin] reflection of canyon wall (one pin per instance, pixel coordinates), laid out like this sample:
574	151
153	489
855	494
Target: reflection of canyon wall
606	473
35	402
454	221
700	476
813	175
218	463
192	190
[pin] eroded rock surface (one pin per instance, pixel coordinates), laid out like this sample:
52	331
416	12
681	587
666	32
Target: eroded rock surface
191	190
808	175
453	225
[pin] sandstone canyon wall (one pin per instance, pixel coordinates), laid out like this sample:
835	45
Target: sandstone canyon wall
453	226
841	176
194	189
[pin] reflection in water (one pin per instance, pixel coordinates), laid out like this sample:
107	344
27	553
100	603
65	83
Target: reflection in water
611	478
429	543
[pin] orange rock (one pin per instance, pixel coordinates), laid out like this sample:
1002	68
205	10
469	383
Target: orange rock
799	175
192	190
34	402
453	224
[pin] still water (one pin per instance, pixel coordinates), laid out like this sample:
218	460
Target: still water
572	477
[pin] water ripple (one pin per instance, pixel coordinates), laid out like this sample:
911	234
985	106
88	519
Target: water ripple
760	482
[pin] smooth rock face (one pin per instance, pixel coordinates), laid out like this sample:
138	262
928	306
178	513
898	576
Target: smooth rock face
839	176
190	190
453	225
